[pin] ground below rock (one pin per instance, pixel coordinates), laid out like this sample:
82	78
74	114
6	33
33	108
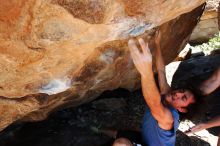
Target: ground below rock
72	127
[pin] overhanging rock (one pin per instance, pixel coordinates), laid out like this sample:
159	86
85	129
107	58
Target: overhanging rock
59	53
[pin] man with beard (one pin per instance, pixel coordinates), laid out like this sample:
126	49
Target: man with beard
161	118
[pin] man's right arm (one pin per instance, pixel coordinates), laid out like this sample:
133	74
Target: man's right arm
143	63
153	99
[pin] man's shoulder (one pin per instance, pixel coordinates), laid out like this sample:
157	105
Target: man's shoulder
150	120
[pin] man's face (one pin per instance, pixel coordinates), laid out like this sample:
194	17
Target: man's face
180	99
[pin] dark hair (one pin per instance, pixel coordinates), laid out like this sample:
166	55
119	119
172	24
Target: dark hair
196	108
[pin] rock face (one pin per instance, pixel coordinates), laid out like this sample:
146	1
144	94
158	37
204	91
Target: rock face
208	25
59	53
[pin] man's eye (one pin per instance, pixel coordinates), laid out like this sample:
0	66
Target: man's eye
184	98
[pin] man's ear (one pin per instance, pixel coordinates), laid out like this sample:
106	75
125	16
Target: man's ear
182	110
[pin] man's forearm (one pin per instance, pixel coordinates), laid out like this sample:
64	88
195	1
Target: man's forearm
213	123
150	90
164	86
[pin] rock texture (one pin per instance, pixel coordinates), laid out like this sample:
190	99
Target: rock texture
208	25
60	53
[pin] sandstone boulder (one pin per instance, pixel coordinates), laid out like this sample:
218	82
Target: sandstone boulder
60	53
208	25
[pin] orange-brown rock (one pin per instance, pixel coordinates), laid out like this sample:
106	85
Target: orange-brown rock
59	53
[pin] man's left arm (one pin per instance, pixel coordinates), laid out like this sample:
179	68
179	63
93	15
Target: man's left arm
212	123
160	66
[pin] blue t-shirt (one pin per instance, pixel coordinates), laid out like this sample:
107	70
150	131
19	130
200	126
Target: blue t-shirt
153	135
